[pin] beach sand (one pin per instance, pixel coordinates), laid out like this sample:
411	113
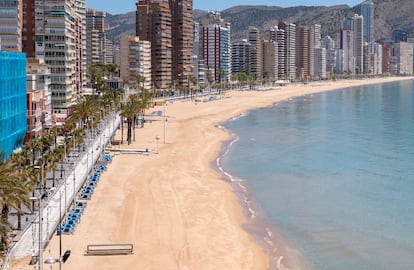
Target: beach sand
174	206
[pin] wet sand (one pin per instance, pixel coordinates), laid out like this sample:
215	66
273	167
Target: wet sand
173	204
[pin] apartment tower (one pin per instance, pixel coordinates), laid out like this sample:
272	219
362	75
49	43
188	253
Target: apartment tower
255	53
11	22
168	26
182	40
135	59
290	49
359	43
270	60
217	53
95	37
367	12
55	34
240	56
305	52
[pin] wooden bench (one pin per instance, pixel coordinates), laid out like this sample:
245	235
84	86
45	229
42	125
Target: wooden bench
109	249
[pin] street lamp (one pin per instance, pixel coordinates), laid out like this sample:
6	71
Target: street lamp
61	259
157	138
65	256
40	258
165	119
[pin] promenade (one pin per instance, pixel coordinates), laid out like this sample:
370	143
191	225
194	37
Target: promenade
78	165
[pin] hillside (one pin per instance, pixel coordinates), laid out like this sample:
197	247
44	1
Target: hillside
387	17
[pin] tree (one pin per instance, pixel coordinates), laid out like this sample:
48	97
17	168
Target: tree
14	191
129	110
84	109
144	103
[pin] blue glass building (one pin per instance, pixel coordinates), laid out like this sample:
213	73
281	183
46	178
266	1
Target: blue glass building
13	110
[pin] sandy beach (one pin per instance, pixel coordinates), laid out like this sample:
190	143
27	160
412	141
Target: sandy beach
173	204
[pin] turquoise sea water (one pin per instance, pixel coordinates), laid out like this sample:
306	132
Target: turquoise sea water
334	174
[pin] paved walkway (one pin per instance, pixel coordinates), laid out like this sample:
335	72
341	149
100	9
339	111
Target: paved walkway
53	208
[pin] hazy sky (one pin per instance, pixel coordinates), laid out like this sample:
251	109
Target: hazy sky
123	6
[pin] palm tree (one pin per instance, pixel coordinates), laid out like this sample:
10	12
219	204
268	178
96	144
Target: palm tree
52	134
129	110
84	109
144	104
95	74
14	191
34	145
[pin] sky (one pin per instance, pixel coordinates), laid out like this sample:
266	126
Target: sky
123	6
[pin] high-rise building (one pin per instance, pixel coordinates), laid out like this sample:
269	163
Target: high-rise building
359	43
375	51
217	53
240	56
270	58
198	60
79	16
154	25
386	59
95	37
346	44
317	36
290	49
11	22
13	108
305	52
281	64
399	35
182	40
367	12
108	53
135	60
255	53
168	25
403	56
55	33
212	71
320	63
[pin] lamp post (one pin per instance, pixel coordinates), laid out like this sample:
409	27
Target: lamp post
157	138
165	119
40	257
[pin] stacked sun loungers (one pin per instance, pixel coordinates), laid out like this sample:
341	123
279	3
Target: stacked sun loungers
74	215
72	218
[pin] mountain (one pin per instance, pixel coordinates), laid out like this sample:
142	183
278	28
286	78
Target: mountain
120	24
388	15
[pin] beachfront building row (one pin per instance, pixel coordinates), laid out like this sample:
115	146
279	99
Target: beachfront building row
302	54
61	34
168	26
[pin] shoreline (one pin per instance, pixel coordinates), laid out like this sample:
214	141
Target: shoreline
170	205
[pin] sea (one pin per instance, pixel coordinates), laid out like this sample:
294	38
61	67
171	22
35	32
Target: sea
330	176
